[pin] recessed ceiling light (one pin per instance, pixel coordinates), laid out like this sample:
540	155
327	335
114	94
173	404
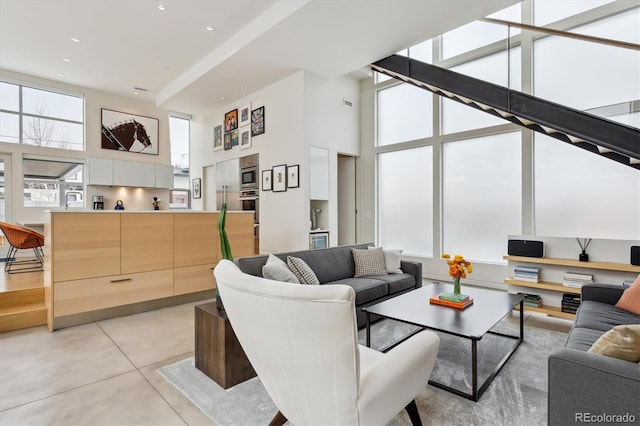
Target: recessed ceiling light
135	93
60	74
75	39
209	28
223	98
161	7
66	59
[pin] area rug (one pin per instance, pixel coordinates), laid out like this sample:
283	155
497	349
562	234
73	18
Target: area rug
517	396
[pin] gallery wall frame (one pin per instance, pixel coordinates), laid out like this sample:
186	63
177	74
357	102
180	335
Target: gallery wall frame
279	179
293	176
267	180
231	120
257	121
196	187
122	131
245	116
217	138
245	137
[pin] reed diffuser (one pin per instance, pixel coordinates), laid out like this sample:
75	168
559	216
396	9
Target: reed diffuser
583	257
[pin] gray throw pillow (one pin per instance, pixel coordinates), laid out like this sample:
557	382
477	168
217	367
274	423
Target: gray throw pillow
276	269
369	262
302	271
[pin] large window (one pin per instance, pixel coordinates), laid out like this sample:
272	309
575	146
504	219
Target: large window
579	194
404	114
40	117
405	200
481	187
51	183
491	178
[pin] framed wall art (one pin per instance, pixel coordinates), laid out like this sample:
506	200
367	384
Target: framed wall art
245	137
245	115
129	132
227	141
231	120
279	178
196	187
293	176
234	137
257	121
217	137
267	178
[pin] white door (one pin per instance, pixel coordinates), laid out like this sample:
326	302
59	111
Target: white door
346	200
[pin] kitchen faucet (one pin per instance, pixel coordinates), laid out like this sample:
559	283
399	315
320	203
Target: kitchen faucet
66	201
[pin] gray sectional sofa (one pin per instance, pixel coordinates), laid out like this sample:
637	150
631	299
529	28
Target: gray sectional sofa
335	265
585	385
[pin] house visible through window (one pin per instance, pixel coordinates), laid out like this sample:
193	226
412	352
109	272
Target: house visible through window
50	183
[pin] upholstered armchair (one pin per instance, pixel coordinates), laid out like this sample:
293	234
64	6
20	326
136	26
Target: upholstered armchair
302	341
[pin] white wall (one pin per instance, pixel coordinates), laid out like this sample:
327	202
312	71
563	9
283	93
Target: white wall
300	110
134	198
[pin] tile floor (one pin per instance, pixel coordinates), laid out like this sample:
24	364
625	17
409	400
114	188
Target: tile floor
104	373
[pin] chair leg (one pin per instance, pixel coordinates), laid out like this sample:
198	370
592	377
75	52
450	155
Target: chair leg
278	420
412	411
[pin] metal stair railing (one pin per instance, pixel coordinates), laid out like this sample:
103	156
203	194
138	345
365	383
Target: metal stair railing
610	139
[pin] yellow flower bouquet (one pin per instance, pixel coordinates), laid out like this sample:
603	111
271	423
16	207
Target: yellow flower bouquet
458	268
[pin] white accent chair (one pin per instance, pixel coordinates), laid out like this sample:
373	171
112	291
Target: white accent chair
302	340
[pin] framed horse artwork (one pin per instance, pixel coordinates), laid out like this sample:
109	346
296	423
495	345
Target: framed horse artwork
129	132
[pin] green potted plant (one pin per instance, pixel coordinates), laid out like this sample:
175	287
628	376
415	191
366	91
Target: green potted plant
225	248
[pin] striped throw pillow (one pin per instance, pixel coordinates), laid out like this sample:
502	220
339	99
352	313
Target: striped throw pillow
302	271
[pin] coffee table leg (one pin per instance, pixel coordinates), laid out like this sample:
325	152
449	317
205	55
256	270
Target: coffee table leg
368	330
521	320
474	369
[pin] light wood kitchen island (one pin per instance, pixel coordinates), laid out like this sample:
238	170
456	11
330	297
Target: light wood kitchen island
101	264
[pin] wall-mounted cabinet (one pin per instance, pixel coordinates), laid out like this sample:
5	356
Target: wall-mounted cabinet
102	171
99	171
129	173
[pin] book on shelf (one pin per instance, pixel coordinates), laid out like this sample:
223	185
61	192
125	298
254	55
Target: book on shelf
532	304
531	296
527	278
526	269
435	300
578	276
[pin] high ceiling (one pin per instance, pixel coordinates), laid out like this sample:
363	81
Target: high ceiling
127	44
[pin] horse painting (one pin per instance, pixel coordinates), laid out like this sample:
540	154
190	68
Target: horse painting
128	132
123	136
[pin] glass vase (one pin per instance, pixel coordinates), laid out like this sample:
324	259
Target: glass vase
456	286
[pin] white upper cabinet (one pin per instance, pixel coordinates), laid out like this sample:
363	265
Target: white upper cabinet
130	173
99	171
164	176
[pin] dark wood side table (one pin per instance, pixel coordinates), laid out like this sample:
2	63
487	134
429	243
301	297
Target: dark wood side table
218	352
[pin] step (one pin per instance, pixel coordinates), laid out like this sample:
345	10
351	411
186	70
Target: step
22	316
19	297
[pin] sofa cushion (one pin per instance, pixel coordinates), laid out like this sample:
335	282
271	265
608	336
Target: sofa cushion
368	262
328	264
622	342
582	338
602	316
302	271
366	288
276	269
397	282
630	299
391	260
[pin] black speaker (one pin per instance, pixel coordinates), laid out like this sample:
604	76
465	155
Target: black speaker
635	255
526	248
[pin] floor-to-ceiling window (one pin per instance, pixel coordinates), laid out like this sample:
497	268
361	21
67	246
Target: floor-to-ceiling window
486	178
